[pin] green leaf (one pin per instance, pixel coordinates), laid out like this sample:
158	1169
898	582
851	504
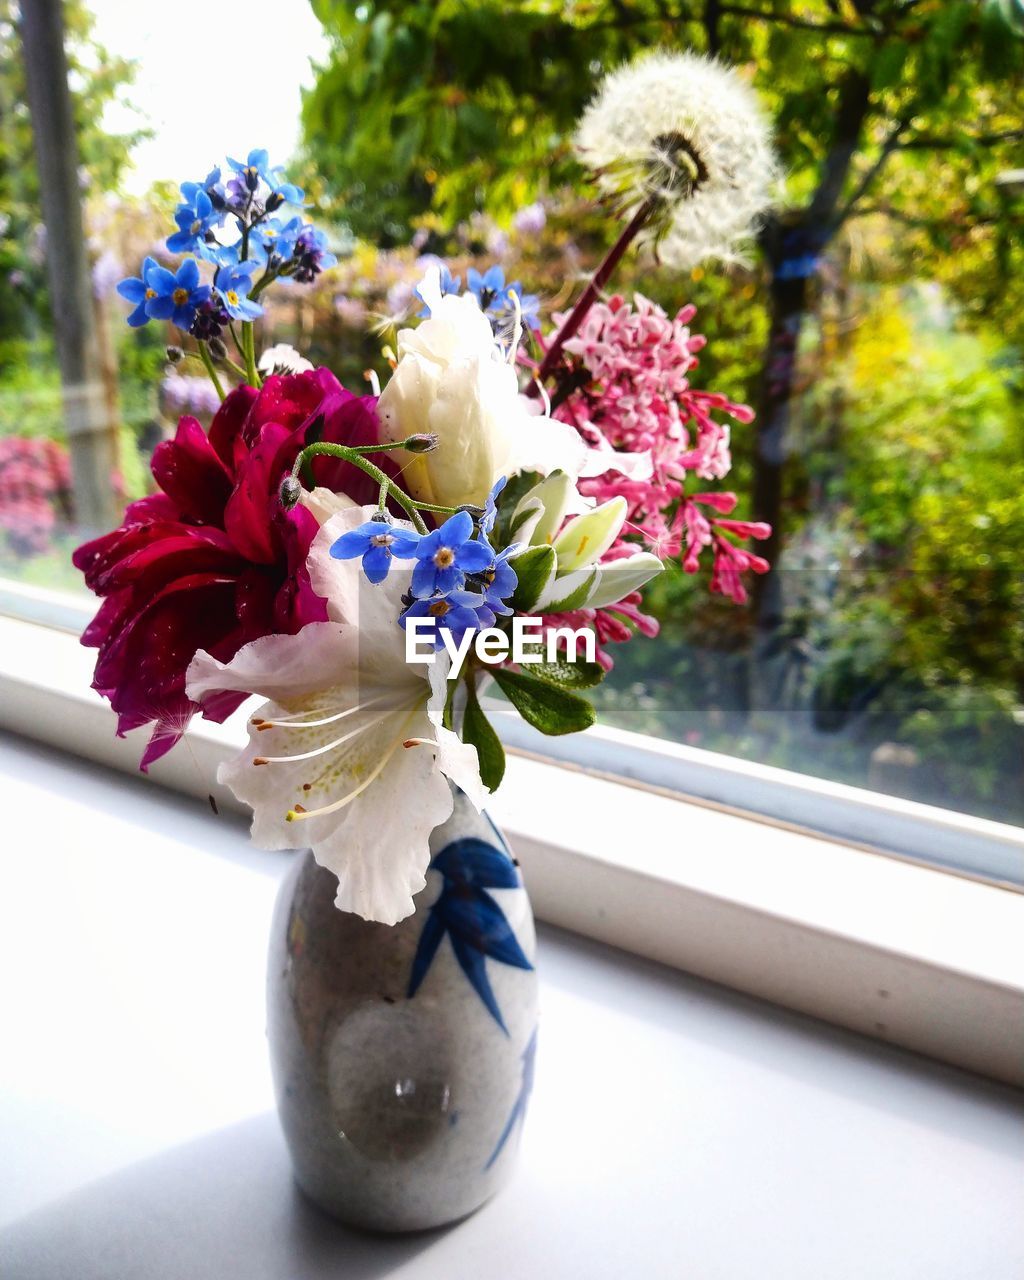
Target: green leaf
568	675
546	707
571	592
478	731
534	569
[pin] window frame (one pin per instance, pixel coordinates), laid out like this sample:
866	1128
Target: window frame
914	955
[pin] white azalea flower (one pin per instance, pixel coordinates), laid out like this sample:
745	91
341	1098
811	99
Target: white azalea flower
689	131
349	755
452	380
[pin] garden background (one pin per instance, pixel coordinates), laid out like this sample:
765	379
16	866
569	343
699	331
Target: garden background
878	331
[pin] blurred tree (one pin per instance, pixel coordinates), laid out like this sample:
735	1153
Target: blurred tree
452	106
96	80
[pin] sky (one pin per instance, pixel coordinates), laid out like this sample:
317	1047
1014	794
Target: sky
254	56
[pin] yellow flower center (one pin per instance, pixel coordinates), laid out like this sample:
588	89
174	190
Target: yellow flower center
150	293
439	608
232	298
196	226
180	297
444	557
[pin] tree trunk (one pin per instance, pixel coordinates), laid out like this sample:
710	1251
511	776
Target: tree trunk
92	438
788	295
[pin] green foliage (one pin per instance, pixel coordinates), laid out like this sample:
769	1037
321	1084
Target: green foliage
568	675
479	732
456	106
542	704
534	569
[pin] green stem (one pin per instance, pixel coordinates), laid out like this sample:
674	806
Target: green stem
324	448
204	355
249	351
268	278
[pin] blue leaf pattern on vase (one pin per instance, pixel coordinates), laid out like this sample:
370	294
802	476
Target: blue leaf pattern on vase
469	915
519	1106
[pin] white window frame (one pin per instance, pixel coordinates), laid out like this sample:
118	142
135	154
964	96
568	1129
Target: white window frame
732	871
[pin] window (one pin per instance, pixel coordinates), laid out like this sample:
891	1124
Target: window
876	331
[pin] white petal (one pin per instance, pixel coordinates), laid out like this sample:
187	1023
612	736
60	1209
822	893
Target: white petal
618	578
325	503
456	759
280	668
380	851
585	539
544	445
634	466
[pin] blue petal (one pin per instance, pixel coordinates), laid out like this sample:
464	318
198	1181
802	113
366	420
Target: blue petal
181	242
428	544
139	316
445	580
188	274
133	289
350	545
474	557
160	308
423	579
456	529
376	563
160	279
405	543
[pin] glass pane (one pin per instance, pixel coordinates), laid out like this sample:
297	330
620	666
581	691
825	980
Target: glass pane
874	328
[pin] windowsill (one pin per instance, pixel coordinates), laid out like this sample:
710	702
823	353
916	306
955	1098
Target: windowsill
671	1119
908	954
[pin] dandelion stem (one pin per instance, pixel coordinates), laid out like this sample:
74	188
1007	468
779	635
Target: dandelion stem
590	294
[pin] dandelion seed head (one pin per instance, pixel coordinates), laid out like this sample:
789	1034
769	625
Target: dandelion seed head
687	130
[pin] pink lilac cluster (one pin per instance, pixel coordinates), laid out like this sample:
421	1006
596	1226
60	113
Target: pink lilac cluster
612	624
35	490
638	398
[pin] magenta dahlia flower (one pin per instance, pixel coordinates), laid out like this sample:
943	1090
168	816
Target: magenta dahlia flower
212	561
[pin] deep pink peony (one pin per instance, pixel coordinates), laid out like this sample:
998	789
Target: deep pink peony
213	561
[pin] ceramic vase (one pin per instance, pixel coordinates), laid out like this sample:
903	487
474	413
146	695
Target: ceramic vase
403	1055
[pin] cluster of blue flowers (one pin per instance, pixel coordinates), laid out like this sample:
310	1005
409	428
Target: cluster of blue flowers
249	198
458	579
494	297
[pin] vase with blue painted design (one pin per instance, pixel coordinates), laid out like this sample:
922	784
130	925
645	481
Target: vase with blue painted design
403	1055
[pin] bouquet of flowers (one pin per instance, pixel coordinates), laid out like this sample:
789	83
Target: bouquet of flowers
365	563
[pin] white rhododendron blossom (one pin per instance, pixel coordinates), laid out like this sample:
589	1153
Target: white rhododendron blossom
689	131
349	755
453	380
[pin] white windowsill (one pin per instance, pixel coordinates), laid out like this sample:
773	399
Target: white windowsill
908	954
